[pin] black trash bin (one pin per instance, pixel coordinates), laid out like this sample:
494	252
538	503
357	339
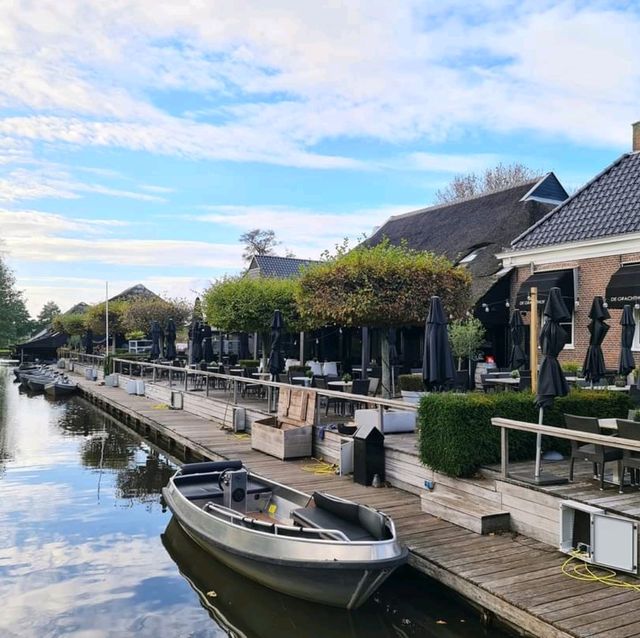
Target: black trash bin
368	454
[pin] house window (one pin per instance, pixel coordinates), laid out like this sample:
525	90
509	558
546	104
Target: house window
569	327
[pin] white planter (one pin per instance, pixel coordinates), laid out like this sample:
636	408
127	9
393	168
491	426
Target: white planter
411	396
140	388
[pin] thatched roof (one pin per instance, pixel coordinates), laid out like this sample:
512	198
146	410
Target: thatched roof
481	225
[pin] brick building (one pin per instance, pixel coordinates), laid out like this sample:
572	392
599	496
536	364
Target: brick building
589	245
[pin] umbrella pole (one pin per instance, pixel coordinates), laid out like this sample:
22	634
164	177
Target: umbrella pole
539	447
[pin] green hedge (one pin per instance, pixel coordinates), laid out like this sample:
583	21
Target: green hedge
456	435
248	363
411	383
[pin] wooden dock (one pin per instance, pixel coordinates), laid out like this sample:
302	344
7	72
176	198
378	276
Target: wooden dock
512	577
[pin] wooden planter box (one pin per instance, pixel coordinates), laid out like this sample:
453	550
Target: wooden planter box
289	434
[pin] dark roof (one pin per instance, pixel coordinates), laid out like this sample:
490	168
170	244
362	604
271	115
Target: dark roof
78	309
279	267
44	339
485	224
607	205
135	292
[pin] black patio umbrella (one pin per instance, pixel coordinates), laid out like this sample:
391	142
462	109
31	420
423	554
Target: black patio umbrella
170	340
593	367
437	362
207	346
518	358
156	332
551	381
196	343
88	341
276	362
626	364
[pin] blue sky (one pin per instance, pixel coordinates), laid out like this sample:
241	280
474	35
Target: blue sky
139	139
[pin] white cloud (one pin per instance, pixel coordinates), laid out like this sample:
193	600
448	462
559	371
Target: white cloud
32	223
298	74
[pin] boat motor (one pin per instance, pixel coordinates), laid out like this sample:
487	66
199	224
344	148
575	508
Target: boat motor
234	488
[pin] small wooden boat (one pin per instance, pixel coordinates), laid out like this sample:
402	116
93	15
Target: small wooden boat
319	548
61	387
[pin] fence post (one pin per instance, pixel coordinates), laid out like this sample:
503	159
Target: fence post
206	389
235	392
504	452
170	377
153	377
186	380
381	418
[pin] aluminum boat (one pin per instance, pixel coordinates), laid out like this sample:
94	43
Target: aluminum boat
320	548
61	387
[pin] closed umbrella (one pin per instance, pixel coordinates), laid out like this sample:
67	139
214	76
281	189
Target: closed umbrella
88	341
626	364
551	381
207	346
196	342
170	340
438	368
518	358
593	367
156	331
276	361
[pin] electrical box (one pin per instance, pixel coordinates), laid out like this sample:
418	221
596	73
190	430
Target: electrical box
239	419
176	400
600	538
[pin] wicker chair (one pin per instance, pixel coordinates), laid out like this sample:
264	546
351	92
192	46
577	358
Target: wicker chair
598	454
630	460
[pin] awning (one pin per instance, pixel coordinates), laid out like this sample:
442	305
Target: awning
544	281
624	286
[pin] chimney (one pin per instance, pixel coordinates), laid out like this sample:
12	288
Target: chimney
636	136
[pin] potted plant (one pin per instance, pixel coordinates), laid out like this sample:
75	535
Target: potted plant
411	387
346	378
515	374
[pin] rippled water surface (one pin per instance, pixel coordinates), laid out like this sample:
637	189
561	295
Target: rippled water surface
86	550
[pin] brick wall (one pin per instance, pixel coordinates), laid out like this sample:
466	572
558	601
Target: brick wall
593	277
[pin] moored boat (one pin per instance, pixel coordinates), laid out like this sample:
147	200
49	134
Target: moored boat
61	387
37	383
320	548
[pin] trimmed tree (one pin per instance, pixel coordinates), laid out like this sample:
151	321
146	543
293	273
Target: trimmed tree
139	313
73	324
382	286
466	338
96	315
245	304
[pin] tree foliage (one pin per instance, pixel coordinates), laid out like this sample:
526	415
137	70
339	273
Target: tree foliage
49	311
380	286
14	317
492	179
95	317
245	304
466	337
139	313
73	324
258	242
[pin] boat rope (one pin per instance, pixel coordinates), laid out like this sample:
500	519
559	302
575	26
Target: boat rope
320	467
577	568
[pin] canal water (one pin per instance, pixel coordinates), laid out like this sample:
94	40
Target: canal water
86	550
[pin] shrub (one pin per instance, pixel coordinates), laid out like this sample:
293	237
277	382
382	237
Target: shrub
456	435
411	382
570	367
248	363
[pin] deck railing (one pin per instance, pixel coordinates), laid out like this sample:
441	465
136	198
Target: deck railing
82	358
562	433
189	378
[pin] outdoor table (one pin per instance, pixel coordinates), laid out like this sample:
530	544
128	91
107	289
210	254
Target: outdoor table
236	370
261	375
611	388
503	381
340	384
608	424
305	380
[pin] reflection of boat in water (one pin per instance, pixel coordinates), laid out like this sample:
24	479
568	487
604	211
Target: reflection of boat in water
320	548
248	610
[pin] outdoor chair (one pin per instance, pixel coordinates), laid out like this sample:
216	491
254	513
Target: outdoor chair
360	386
486	387
597	454
524	383
338	404
630	460
320	383
374	384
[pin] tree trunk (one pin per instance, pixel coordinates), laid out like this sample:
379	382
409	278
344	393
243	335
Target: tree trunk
386	364
265	337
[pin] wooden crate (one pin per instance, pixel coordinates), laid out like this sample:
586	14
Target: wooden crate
289	434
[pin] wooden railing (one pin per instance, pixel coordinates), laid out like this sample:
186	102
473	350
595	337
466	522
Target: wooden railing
231	383
561	433
82	358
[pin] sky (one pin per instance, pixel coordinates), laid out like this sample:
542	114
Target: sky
139	138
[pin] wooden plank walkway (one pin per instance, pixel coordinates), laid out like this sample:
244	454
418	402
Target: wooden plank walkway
514	577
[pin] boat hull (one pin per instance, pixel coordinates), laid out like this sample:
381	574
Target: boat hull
36	384
60	390
337	574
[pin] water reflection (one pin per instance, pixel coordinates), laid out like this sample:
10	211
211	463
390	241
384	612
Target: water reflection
81	551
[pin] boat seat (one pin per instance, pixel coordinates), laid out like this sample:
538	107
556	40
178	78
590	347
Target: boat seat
320	519
196	490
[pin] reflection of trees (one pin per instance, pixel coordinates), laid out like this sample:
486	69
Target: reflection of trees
141	481
115	449
78	418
